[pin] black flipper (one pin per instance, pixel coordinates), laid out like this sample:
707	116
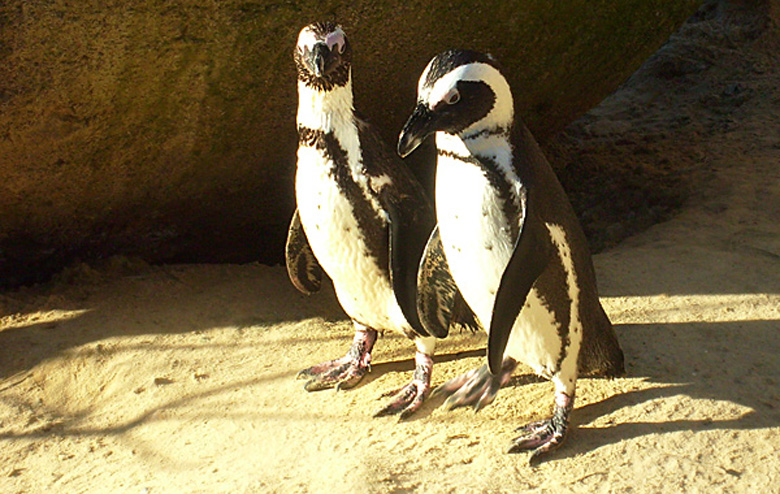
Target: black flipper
411	217
529	259
407	241
439	302
303	268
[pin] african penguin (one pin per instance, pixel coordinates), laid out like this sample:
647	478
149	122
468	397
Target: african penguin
512	242
361	218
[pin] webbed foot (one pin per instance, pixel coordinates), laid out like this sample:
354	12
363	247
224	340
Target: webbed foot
344	372
409	399
476	388
545	435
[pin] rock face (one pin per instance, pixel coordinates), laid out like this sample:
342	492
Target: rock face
167	129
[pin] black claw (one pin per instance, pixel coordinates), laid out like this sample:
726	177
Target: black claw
538	457
543	436
348	384
345	376
383	412
513	448
390	409
315	385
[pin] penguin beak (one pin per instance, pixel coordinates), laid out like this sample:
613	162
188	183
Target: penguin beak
317	58
417	128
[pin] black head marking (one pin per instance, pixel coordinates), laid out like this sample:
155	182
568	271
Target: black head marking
321	29
446	61
468	102
324	61
475	98
475	102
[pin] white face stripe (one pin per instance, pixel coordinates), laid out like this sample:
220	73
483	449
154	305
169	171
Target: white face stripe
423	78
307	39
503	109
476	71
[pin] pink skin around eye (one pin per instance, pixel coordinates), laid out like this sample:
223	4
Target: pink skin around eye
335	39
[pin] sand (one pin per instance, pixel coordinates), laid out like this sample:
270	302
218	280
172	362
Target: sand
120	377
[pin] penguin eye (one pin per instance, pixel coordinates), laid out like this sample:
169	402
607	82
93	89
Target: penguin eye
452	97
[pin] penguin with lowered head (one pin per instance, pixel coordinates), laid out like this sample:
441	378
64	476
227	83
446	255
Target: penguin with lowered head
512	241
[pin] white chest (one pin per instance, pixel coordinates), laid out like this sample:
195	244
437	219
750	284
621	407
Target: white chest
328	218
326	214
475	232
478	243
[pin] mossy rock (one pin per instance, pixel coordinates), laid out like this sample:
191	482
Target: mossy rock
167	129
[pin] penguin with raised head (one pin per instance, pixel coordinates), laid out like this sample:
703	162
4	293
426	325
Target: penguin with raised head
512	241
362	218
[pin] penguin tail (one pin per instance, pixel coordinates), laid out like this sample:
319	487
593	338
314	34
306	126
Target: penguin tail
600	353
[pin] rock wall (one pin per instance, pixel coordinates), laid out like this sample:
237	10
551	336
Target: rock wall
166	129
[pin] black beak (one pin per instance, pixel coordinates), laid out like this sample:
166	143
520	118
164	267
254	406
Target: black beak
417	128
317	59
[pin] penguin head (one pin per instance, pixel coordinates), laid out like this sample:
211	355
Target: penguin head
323	56
461	92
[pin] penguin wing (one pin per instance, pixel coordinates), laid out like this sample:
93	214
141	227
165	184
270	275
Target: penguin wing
439	302
405	251
529	259
303	268
410	218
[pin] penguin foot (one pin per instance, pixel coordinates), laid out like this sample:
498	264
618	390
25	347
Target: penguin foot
344	372
545	435
409	399
476	388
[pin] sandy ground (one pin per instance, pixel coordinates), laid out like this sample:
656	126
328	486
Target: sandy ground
129	378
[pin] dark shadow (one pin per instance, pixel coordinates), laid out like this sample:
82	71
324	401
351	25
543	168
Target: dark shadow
70	425
727	361
253	300
407	365
731	361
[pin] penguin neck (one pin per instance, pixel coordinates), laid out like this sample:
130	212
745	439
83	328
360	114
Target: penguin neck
325	110
490	149
331	112
488	146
